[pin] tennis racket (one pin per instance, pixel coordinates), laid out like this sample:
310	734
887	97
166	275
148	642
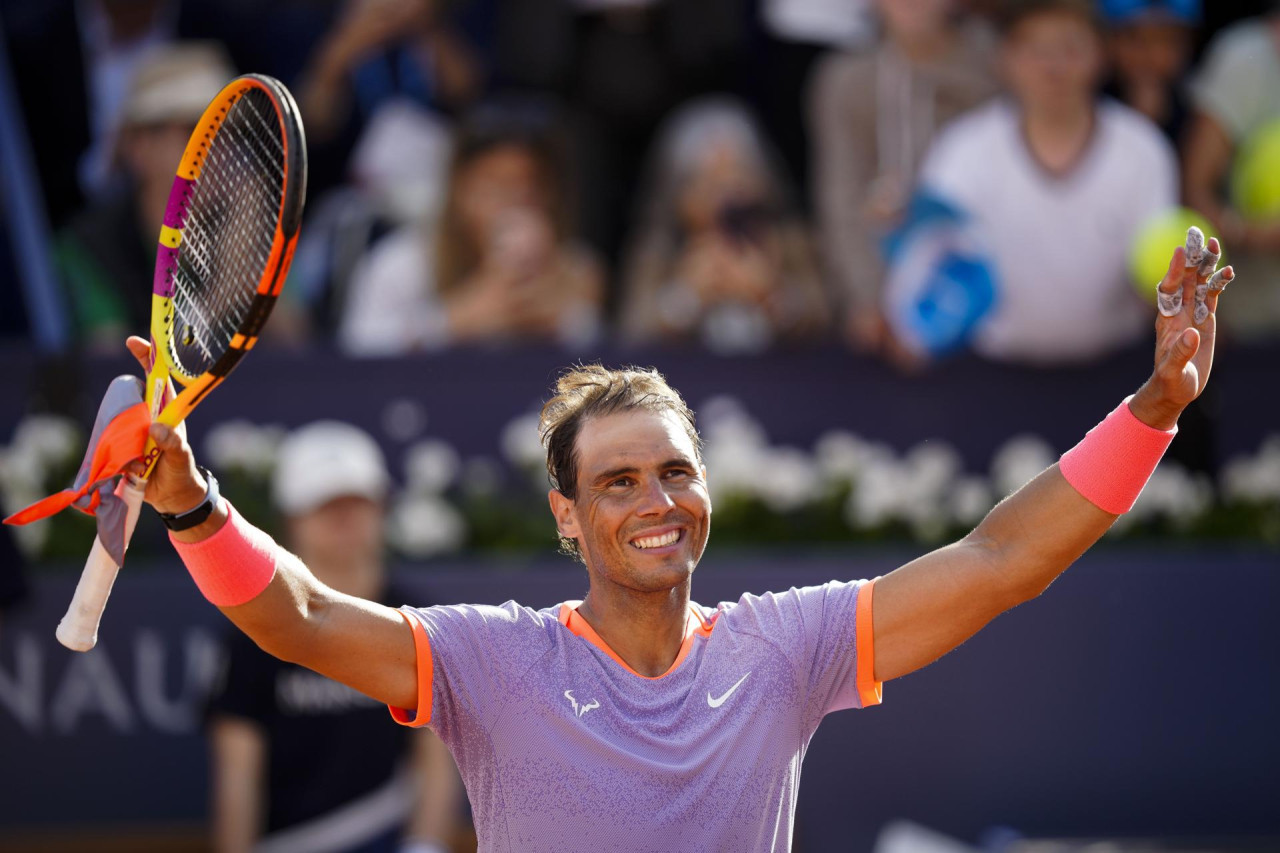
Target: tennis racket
226	243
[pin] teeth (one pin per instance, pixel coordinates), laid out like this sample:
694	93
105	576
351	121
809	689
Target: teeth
657	541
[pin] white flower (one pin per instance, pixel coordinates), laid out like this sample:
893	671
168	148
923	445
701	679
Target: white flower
1019	460
932	466
240	444
841	455
736	449
970	500
877	495
31	538
22	475
521	444
431	466
49	438
928	472
787	479
1172	493
425	525
1253	479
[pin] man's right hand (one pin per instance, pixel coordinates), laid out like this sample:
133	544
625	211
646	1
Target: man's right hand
175	485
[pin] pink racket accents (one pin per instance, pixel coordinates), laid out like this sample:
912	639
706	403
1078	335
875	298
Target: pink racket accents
175	211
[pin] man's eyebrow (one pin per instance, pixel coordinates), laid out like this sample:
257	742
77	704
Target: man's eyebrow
674	462
614	472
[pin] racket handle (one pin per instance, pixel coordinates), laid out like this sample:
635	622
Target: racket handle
78	629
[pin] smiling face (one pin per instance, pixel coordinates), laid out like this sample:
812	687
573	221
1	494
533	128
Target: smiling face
642	513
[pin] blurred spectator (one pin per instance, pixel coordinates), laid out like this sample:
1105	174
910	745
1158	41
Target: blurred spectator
502	266
375	52
1150	42
873	115
73	63
1230	163
106	253
720	253
619	66
793	37
300	762
396	178
1060	183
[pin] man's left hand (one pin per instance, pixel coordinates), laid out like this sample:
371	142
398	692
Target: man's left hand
1186	328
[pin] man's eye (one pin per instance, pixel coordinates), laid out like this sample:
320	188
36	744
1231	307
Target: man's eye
621	481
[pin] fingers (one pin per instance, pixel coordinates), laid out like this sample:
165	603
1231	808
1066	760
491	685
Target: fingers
1216	285
167	438
1169	290
1195	247
1204	257
1193	275
1182	351
140	349
1209	260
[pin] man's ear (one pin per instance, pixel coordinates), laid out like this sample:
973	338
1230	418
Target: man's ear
705	480
562	510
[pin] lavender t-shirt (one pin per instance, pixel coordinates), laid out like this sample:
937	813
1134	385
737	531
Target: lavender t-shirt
562	747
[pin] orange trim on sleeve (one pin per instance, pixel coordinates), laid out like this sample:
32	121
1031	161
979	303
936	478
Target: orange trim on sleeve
869	690
422	651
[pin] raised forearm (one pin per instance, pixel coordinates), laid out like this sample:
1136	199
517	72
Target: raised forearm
1035	534
270	595
934	603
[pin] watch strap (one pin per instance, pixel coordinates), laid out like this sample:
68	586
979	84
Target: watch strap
200	512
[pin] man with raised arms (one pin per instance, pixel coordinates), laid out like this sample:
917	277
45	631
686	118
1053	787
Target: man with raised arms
637	719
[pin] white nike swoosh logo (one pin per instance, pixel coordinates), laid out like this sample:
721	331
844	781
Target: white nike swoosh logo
716	703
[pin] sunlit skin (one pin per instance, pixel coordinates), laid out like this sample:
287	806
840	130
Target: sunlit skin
638	477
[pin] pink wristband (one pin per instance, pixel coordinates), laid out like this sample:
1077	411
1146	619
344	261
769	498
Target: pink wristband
233	565
1112	463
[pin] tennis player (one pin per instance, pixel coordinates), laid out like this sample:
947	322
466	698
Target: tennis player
636	719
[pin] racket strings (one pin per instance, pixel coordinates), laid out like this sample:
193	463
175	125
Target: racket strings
229	232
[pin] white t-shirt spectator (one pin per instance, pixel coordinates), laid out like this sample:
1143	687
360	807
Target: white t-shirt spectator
1059	243
392	306
1238	82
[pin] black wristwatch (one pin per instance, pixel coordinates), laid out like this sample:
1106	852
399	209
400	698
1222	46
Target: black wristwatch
197	514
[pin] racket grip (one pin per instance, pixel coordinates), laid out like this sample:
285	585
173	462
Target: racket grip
78	629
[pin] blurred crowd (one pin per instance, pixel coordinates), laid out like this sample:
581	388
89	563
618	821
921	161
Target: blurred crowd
906	177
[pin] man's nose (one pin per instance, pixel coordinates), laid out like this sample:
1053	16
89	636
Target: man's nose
655	499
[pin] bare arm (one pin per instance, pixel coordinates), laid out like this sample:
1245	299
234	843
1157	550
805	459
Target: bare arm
364	645
931	605
439	791
238	754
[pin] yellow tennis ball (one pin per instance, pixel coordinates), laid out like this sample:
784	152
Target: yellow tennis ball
1255	174
1154	244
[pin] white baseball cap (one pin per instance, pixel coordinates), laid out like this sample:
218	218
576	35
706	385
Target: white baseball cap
175	82
326	460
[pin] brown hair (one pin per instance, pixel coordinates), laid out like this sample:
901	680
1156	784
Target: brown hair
592	390
1012	13
527	124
